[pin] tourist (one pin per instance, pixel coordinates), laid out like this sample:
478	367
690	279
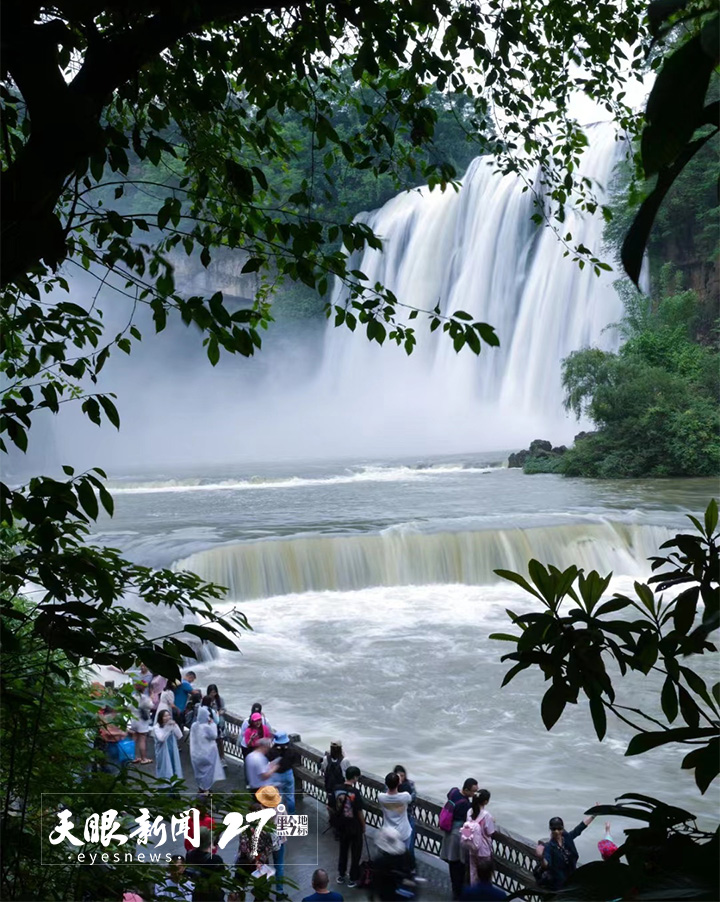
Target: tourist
477	832
408	786
320	881
141	675
167	757
141	723
483	890
248	859
607	847
203	751
182	693
177	886
257	730
284	777
207	870
559	855
269	797
392	876
256	709
112	739
394	805
258	769
333	767
194	702
165	703
451	850
349	824
218	706
204	820
156	686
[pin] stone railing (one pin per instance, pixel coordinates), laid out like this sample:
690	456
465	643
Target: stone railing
513	855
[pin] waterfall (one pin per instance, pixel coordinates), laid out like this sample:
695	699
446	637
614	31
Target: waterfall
398	557
478	250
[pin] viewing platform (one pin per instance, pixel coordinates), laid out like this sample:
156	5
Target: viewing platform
513	855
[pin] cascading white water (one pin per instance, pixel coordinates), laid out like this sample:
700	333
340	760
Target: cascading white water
478	250
397	557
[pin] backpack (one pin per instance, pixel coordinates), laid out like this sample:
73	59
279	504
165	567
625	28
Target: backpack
445	820
344	814
334	776
473	838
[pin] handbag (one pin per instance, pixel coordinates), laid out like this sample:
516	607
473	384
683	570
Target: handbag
365	877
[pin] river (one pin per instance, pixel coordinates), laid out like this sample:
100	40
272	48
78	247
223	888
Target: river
369	585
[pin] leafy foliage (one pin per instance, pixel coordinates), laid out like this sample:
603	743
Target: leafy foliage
654	403
571	648
668	857
679	119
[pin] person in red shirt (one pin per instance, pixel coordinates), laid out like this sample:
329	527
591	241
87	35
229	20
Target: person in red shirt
205	821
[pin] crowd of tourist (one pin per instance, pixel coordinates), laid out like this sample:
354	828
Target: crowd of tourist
174	713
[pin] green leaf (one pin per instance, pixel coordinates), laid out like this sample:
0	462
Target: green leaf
208	634
636	238
675	105
706	761
643	742
599	716
519	580
87	498
711	517
106	500
241	179
617	603
688	707
669	700
110	410
685	610
645	594
213	351
553	705
543	580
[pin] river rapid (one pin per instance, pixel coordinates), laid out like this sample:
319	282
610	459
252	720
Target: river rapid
369	585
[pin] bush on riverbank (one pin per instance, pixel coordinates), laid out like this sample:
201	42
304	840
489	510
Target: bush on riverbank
654	403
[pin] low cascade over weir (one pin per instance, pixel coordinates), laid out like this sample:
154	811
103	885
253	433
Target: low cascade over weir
397	557
478	250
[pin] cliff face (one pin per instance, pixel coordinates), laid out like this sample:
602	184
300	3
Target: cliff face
223	274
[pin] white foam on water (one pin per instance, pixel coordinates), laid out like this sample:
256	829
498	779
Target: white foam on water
366	474
408	675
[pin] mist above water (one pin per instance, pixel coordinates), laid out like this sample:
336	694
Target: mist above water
319	392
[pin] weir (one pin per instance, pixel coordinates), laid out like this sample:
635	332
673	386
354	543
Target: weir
403	557
513	855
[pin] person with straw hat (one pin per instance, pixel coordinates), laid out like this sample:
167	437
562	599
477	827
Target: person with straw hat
269	797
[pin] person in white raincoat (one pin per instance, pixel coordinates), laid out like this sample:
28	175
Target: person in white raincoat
204	752
167	699
167	757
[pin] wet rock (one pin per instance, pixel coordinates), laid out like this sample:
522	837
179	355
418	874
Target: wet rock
518	459
540	444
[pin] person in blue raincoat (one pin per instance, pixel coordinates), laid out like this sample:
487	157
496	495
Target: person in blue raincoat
167	757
